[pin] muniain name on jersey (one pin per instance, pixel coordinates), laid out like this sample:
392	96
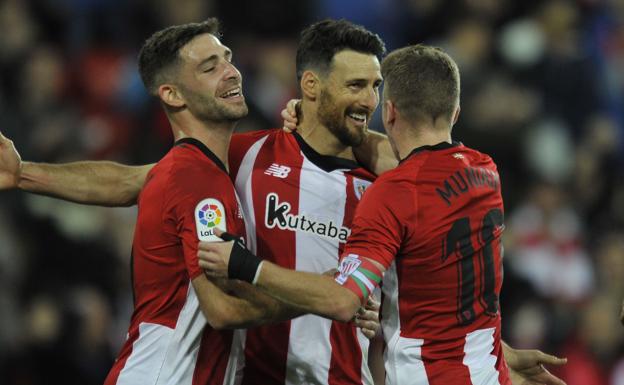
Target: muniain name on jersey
466	179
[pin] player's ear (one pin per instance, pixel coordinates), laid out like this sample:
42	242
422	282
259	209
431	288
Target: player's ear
310	85
170	95
388	114
456	115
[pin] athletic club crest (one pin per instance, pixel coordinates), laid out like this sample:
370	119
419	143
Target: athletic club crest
360	185
348	265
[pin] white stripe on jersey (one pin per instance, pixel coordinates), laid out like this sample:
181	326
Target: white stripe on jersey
407	364
478	358
391	323
148	354
365	280
367	376
181	358
309	335
402	356
236	361
165	356
245	192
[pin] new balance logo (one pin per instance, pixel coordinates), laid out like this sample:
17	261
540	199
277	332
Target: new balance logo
277	170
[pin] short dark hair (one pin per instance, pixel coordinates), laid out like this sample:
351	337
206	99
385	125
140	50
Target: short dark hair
422	81
324	39
161	50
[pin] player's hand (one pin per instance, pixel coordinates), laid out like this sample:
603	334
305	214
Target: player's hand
526	367
367	318
214	257
10	164
290	115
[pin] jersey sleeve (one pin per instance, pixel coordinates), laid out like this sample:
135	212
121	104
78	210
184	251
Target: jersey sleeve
197	206
239	145
379	224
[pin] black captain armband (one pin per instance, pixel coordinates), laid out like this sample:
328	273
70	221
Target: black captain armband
244	264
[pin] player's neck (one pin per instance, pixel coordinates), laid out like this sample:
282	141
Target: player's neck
215	136
318	136
411	139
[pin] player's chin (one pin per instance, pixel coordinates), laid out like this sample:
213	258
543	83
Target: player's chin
236	112
356	135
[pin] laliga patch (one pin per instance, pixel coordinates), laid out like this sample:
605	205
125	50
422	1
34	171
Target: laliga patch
209	215
360	185
348	265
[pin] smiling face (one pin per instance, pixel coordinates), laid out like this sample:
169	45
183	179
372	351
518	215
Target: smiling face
349	95
209	83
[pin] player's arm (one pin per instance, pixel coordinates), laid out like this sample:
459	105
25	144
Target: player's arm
309	292
228	304
312	293
376	361
99	183
375	153
527	366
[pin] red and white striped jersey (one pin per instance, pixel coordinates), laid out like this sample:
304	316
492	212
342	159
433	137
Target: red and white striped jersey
298	208
185	196
435	223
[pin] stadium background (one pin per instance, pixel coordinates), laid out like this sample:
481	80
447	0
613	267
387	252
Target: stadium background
542	92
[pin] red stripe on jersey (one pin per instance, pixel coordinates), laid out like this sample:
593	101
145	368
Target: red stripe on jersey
213	357
501	364
444	372
239	145
346	356
266	348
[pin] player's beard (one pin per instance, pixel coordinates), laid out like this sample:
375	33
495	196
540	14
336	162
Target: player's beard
209	108
335	119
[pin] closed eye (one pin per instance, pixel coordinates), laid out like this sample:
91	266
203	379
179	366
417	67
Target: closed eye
356	85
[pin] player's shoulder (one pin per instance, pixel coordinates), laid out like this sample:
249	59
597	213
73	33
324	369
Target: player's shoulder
404	173
245	139
192	161
477	158
447	157
390	183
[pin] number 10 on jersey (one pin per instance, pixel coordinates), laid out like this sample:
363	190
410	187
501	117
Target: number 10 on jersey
459	240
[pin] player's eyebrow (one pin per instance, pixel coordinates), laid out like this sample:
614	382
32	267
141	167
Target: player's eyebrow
363	81
227	53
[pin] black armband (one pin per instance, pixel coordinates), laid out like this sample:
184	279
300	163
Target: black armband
243	263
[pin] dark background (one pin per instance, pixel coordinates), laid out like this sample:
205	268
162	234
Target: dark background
542	92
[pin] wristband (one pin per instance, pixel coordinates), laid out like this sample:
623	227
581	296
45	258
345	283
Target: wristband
243	265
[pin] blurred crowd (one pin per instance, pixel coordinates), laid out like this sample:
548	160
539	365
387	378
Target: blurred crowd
542	92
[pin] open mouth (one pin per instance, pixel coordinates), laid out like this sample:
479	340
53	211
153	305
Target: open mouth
231	94
359	118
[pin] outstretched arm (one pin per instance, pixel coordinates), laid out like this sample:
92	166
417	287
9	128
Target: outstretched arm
98	183
311	293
